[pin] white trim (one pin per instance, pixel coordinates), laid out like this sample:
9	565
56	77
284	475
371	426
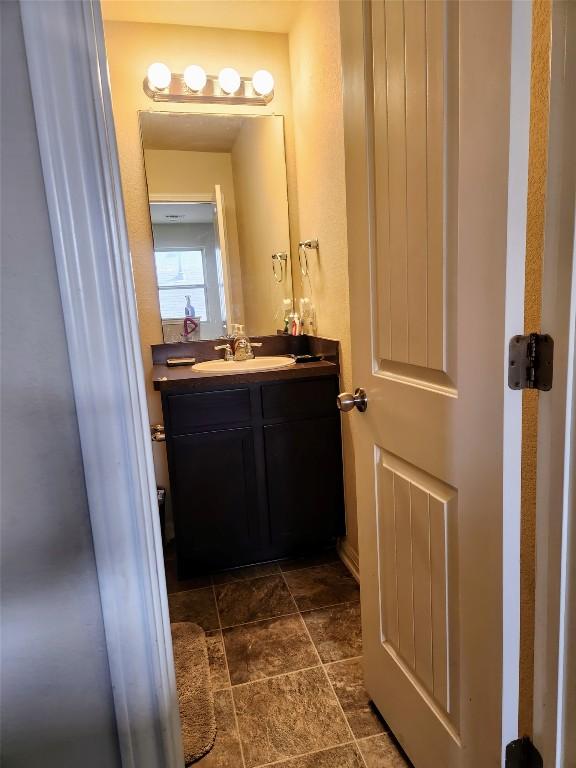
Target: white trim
67	65
555	545
350	558
519	139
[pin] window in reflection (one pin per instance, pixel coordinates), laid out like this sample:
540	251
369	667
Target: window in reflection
181	284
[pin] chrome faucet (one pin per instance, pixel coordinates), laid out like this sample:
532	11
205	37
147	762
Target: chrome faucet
240	347
228	354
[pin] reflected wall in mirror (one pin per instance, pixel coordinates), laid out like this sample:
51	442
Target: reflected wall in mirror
219	212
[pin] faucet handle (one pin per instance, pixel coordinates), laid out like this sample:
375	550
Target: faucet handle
228	354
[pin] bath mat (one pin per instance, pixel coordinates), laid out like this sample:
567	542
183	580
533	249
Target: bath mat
194	690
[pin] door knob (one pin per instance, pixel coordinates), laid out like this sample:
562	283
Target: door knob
346	401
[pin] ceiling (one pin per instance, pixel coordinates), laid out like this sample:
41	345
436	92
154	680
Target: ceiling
191	132
188	213
256	15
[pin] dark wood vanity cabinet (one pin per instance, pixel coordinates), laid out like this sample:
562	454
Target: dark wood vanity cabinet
255	471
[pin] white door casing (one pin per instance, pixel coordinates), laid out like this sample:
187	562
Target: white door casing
70	90
436	109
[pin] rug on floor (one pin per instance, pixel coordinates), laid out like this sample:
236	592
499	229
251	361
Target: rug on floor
194	690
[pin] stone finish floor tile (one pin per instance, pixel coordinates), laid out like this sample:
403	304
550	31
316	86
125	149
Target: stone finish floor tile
197	605
322	585
381	752
247	572
339	757
346	677
226	751
217	660
242	601
336	631
287	716
269	647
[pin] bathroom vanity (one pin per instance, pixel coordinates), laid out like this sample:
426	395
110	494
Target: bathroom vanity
255	459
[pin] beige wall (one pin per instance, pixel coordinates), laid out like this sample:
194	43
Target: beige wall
319	142
306	68
173	172
131	48
262	208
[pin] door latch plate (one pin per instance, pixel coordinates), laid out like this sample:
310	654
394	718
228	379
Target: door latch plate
530	362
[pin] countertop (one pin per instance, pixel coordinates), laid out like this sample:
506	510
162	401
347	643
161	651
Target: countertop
185	377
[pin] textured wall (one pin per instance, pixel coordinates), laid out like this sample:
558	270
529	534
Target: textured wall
308	94
319	141
537	168
57	708
131	48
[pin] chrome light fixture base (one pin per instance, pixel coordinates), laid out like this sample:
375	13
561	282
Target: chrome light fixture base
212	93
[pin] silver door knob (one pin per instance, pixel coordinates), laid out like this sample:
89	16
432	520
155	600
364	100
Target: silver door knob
346	401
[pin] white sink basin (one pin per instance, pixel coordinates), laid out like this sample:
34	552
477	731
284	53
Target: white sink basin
244	366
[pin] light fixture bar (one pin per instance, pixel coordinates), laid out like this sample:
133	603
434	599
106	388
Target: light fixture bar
212	93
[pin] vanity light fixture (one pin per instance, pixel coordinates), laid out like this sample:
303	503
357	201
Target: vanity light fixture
195	78
194	84
159	76
262	82
229	80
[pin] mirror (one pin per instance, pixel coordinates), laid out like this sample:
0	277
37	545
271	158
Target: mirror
219	213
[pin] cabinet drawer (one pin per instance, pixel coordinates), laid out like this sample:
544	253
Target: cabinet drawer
204	410
300	399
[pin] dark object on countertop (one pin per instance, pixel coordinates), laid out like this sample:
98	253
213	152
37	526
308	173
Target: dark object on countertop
308	358
172	362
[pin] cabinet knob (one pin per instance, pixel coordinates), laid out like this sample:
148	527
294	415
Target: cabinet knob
347	401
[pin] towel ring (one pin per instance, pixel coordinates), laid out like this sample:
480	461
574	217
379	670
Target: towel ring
303	247
280	258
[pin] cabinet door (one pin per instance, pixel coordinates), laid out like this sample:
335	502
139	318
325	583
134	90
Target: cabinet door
304	477
215	504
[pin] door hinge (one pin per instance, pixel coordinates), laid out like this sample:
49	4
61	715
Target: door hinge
530	362
521	753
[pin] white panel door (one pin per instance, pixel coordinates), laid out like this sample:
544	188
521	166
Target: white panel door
435	227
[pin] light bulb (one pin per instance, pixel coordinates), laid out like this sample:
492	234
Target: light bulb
159	76
229	80
263	82
195	77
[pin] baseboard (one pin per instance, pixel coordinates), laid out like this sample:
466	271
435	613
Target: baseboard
350	558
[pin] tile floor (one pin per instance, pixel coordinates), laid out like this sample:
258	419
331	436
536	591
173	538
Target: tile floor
284	644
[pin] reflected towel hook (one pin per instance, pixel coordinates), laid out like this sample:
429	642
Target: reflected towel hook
303	247
279	258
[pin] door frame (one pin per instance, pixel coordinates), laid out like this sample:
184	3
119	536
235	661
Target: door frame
67	65
555	613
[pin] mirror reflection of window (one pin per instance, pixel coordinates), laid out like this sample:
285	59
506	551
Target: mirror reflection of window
188	272
181	284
